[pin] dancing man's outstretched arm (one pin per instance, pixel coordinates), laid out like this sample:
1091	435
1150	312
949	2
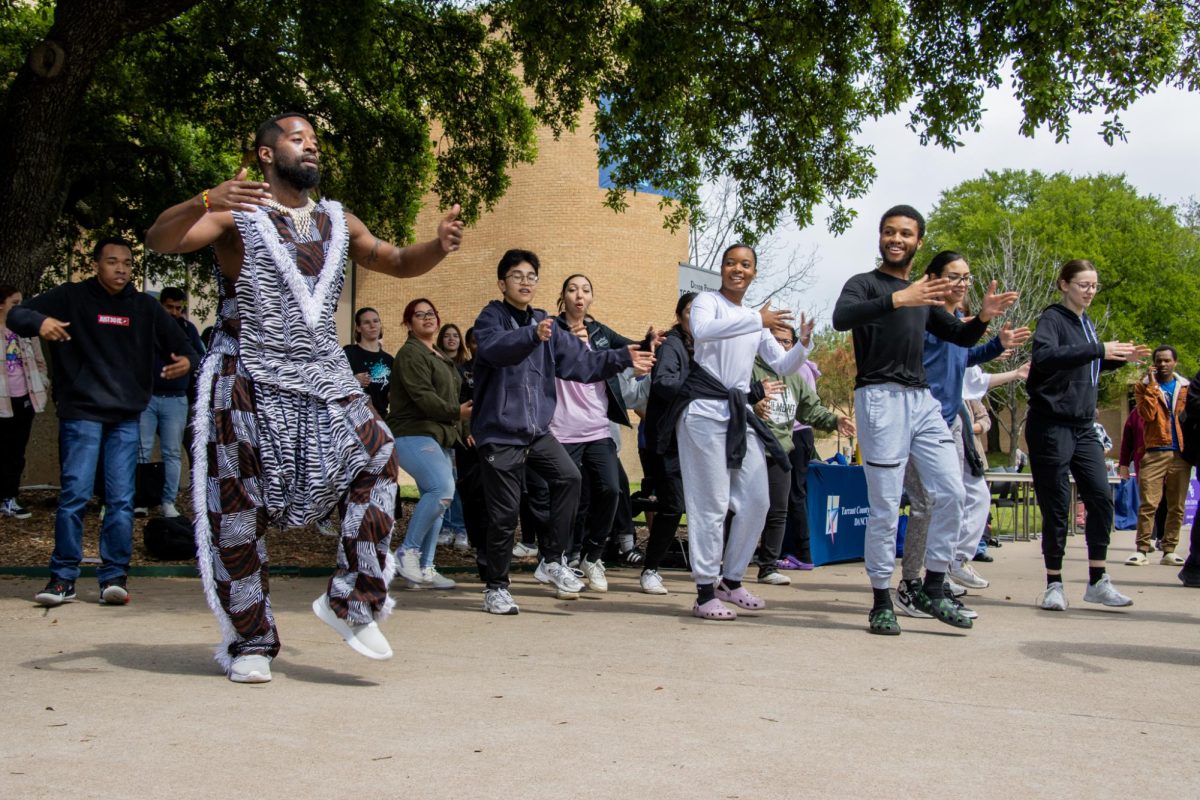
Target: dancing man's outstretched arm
373	253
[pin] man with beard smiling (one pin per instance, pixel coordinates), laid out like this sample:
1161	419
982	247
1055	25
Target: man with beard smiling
897	416
284	431
104	335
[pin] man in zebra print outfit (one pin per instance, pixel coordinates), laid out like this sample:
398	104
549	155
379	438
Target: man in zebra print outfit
283	432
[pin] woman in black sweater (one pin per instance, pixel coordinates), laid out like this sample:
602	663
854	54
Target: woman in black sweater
1064	373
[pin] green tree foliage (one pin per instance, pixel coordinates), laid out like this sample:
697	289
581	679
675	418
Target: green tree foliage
116	108
1147	252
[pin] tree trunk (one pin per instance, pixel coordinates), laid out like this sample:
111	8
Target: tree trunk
38	112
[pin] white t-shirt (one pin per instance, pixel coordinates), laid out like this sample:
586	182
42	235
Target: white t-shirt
727	338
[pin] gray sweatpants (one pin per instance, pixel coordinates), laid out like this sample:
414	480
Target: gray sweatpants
898	424
977	501
710	489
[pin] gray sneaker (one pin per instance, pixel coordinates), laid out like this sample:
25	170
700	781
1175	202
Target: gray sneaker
905	602
965	575
499	601
562	577
1054	598
1103	592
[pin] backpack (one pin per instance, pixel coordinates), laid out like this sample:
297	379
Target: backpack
170	539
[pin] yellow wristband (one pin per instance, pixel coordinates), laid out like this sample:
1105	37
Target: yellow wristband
204	195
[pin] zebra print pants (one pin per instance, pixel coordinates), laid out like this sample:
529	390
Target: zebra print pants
237	517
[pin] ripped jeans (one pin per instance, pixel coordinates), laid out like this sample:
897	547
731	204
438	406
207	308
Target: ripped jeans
431	467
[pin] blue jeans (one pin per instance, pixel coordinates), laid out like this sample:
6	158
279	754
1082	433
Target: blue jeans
430	466
80	442
453	518
166	416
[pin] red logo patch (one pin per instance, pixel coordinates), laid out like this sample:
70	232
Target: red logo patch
109	319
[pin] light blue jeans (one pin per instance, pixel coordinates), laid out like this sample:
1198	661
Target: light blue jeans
80	442
430	466
166	416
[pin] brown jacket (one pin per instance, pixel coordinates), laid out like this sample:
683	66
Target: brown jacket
1152	407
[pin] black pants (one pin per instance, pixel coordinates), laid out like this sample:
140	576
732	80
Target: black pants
668	511
598	464
474	503
14	437
535	510
1056	451
622	526
779	486
796	539
503	469
1193	560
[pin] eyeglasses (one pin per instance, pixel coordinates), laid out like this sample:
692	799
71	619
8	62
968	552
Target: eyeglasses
424	315
965	280
528	278
786	342
1087	287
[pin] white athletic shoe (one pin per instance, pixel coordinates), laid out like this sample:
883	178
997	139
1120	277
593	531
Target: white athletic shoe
408	565
461	542
652	582
365	638
522	550
562	577
1103	592
499	601
435	580
965	574
445	538
593	571
956	589
168	510
1054	598
251	669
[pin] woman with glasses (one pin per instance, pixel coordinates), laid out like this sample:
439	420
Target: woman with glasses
1068	358
427	420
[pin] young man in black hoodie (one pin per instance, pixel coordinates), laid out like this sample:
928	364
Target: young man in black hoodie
520	353
104	336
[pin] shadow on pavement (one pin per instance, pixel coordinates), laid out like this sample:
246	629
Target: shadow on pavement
1072	654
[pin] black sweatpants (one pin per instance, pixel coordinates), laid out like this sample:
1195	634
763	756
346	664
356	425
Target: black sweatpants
597	462
668	510
1056	451
796	540
503	469
779	487
14	438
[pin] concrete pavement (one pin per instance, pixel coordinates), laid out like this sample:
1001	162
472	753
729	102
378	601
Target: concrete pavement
617	695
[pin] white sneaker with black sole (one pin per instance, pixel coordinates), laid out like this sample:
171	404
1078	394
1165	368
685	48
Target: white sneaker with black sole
562	577
652	583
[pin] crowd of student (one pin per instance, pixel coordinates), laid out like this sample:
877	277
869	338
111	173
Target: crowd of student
517	421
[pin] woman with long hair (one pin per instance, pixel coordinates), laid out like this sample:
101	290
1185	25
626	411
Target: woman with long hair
426	418
1064	373
450	342
454	526
369	361
581	417
22	394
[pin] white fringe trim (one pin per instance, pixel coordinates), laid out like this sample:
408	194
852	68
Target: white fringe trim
312	304
389	572
202	530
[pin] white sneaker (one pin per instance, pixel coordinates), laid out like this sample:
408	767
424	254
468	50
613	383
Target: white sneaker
775	578
652	582
435	580
11	508
965	574
956	589
408	565
593	571
251	669
365	638
499	601
1054	598
566	585
138	511
461	542
445	538
1103	592
168	510
522	550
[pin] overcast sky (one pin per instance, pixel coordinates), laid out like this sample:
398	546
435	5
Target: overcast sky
1159	158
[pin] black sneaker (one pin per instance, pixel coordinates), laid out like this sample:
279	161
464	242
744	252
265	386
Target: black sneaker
114	592
942	608
984	557
1190	577
633	557
56	593
904	598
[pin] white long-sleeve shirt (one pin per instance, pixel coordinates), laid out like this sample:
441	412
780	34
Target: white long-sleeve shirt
727	338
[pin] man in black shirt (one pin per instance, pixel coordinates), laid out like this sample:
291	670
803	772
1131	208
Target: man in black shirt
898	418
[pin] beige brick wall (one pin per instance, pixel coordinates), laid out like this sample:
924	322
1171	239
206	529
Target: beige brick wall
554	207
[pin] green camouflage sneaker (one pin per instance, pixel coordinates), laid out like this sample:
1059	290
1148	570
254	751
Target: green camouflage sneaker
943	608
883	622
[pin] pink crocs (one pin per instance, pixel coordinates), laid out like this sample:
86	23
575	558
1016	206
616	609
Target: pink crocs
713	609
740	597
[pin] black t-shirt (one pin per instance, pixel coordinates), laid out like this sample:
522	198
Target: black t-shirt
889	343
379	367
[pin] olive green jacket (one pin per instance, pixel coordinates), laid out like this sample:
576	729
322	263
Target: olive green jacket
798	403
424	395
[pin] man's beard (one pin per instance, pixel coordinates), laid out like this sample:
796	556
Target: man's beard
298	174
905	264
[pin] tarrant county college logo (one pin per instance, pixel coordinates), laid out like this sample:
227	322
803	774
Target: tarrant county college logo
833	509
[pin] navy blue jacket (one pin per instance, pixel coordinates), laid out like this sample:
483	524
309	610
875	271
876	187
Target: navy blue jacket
515	371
